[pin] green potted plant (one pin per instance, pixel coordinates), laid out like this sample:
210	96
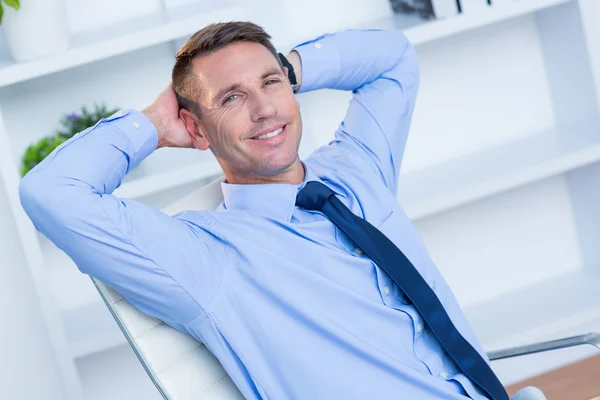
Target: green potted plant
70	125
73	123
38	151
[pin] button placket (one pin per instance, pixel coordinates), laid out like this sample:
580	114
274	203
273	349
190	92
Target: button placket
426	361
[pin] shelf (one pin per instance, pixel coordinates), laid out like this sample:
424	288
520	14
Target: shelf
442	28
88	48
421	31
508	166
538	311
155	183
149	31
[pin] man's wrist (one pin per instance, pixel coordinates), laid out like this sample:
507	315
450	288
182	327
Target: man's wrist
294	58
156	121
139	131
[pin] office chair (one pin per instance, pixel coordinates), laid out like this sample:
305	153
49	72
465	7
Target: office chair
182	368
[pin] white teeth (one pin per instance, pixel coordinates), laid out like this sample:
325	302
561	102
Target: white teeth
268	135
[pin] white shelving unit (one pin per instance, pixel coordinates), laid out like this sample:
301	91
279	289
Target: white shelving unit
474	152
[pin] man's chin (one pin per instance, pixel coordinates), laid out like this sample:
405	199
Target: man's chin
276	166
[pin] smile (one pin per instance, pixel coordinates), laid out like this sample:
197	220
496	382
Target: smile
270	134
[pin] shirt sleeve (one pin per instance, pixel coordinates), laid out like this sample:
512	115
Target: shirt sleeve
163	265
380	68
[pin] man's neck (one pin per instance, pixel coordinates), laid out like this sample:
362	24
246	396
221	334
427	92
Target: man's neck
293	175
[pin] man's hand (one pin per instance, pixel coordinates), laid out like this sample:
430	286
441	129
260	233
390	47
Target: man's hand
164	114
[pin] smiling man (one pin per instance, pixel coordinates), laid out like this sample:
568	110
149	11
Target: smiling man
239	108
308	281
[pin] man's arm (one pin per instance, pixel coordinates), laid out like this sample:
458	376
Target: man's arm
152	259
381	69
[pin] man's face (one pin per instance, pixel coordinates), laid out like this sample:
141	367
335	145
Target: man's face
243	95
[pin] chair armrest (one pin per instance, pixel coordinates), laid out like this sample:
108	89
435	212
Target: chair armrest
588	338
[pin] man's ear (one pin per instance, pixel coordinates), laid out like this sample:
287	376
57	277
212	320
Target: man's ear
195	128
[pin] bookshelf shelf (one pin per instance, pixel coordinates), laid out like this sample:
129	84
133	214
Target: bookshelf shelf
498	169
155	183
447	27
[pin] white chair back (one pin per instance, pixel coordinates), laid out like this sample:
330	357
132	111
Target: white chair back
180	367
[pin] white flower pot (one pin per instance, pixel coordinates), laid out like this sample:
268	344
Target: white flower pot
38	29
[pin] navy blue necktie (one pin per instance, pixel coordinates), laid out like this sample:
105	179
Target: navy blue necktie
317	196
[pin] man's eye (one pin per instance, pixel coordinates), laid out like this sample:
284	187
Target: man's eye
270	81
229	98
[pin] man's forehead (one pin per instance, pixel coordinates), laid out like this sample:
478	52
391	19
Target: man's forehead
235	58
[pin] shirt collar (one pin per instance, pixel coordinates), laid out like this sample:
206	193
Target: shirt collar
276	200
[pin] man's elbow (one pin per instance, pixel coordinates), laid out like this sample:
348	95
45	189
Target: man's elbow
39	197
31	193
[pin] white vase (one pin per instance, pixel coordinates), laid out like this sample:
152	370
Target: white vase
38	29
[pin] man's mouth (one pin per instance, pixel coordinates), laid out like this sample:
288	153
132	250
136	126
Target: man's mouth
270	134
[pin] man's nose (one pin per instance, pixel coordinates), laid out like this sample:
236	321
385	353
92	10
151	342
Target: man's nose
263	107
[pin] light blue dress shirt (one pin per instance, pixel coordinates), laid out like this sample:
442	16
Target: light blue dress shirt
287	303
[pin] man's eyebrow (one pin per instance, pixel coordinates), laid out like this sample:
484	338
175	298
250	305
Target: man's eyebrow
222	92
269	72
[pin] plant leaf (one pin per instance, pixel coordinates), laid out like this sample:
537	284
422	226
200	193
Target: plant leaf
13	3
1	12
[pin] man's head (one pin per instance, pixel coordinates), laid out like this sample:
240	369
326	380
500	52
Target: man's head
232	89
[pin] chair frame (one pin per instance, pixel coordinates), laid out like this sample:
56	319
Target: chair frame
591	338
130	340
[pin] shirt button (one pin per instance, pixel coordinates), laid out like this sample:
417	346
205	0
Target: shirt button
386	290
419	328
318	45
135	124
443	375
358	250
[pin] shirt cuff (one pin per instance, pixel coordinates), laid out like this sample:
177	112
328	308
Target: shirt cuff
137	128
320	62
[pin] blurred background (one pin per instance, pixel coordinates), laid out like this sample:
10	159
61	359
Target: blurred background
501	175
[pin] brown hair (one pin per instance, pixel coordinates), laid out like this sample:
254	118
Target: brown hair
207	40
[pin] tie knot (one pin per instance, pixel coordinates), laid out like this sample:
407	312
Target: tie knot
313	195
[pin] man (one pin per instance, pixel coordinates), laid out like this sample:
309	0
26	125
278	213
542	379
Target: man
285	299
